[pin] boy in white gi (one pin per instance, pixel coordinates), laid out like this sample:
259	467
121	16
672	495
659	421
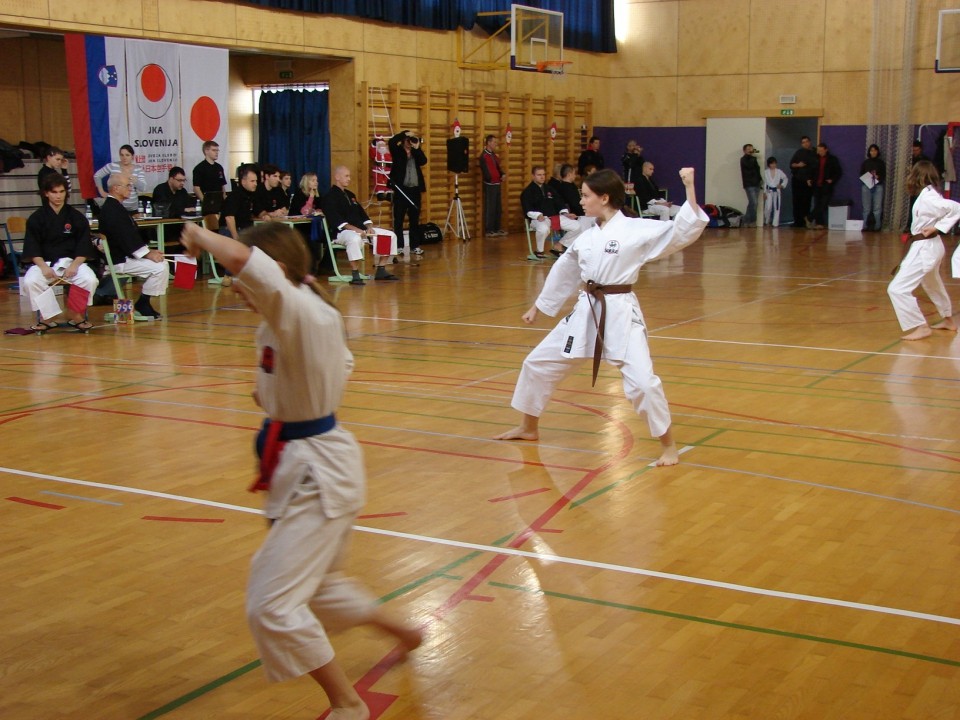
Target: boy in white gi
932	214
774	181
603	263
310	465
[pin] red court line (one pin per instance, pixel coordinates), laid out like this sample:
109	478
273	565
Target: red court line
466	591
380	515
519	495
162	518
36	503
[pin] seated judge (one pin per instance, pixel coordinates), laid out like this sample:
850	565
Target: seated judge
171	201
650	196
130	254
540	202
236	213
270	200
57	241
347	217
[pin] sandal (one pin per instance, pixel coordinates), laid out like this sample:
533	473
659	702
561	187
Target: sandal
82	326
43	326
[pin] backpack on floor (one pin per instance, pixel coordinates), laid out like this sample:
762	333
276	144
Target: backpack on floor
429	233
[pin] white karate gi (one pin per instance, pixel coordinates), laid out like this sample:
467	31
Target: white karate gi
353	242
34	282
773	182
318	487
543	229
662	209
921	265
156	275
608	255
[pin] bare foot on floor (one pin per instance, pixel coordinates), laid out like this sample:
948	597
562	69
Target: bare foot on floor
919	334
670	456
361	712
518	433
946	324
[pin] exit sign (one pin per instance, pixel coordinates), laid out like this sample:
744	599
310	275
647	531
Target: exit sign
787	111
288	75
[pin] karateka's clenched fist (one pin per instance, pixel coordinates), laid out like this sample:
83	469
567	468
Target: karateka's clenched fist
686	175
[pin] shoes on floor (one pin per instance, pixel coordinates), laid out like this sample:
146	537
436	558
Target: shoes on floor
226	281
357	281
385	276
417	251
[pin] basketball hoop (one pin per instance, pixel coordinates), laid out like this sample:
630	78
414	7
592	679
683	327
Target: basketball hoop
555	67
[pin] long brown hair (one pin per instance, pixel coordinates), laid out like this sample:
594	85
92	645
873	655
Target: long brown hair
286	247
922	173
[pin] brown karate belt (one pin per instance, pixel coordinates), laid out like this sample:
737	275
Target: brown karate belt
600	292
908	241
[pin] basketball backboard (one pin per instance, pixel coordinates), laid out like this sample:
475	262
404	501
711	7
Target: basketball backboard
536	37
948	41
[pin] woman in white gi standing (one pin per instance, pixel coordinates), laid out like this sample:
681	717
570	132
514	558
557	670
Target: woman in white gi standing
603	263
932	214
311	466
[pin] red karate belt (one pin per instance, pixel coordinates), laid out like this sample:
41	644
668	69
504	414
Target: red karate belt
273	438
600	292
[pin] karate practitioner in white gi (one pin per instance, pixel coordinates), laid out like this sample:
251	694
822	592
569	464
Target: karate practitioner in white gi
932	214
608	255
317	485
774	181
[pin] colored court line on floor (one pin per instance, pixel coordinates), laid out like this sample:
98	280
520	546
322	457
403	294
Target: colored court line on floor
845	368
80	497
381	515
163	518
518	495
35	503
202	690
725	624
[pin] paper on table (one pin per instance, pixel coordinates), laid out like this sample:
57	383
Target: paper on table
868	179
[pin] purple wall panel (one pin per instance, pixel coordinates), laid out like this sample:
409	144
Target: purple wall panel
668	148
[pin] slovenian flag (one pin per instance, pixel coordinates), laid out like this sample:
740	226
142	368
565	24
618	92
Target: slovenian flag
96	72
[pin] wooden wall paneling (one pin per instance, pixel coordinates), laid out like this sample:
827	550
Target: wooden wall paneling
848	33
772	52
713	37
365	135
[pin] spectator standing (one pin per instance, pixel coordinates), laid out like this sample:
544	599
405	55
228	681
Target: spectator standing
406	178
871	194
802	165
750	175
136	180
492	178
590	157
826	173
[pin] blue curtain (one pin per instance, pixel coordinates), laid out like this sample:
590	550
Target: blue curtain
587	24
295	132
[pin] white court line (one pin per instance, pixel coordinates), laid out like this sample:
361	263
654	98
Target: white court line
541	557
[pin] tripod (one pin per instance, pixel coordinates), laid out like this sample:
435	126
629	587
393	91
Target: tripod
461	230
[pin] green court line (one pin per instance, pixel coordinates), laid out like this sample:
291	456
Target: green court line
224	679
733	626
611	486
854	363
203	690
836	459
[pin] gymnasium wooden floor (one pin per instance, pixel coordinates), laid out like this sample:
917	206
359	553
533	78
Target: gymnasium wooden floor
801	561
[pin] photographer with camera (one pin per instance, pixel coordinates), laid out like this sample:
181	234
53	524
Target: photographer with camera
406	178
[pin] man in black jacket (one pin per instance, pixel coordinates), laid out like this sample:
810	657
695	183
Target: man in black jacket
406	179
802	165
130	254
541	203
353	227
825	175
750	175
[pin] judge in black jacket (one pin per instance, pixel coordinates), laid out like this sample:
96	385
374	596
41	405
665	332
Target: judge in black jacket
353	227
57	241
406	178
130	254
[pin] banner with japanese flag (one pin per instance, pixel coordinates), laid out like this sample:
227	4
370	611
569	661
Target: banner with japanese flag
153	112
204	78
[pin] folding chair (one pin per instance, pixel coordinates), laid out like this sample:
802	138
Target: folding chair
212	223
17	225
331	246
114	275
554	238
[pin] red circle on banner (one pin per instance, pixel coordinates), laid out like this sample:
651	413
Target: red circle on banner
153	83
205	118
